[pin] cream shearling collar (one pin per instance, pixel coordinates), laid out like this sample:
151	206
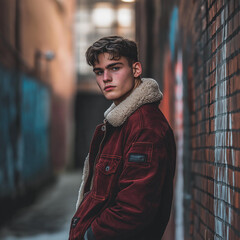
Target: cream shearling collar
147	92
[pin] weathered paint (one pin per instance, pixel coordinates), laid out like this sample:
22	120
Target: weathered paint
173	30
35	122
7	127
24	130
179	190
223	138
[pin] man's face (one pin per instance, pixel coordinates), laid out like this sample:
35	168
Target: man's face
116	78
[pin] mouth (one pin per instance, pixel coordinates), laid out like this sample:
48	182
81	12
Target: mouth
109	88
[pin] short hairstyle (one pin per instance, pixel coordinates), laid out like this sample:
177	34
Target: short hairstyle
115	46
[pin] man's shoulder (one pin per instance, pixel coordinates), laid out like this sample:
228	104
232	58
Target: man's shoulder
150	117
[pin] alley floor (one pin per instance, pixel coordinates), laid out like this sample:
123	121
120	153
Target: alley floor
48	218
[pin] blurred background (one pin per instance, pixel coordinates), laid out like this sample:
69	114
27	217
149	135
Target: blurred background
50	105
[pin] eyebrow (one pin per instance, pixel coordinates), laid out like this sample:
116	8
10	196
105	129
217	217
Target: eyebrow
108	66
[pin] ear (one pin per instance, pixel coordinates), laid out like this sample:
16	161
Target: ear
137	69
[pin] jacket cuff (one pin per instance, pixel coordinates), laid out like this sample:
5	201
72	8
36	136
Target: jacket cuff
89	234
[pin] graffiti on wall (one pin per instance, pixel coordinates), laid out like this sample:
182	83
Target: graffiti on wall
223	139
180	142
24	132
178	116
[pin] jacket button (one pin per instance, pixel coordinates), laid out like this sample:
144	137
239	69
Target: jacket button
103	128
107	168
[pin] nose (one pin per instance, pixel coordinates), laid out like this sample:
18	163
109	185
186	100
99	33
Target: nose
106	76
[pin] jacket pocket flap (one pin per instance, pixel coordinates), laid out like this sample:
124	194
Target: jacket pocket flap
107	166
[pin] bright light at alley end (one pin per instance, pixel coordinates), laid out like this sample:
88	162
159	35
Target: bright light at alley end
129	1
103	15
124	17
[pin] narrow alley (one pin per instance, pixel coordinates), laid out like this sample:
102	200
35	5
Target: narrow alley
49	217
50	105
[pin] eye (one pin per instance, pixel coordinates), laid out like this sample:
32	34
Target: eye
98	73
115	68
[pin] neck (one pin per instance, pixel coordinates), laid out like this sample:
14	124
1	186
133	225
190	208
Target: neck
137	82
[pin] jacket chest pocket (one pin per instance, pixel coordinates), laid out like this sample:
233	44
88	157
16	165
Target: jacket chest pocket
105	171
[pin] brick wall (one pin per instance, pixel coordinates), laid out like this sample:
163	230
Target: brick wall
214	117
205	63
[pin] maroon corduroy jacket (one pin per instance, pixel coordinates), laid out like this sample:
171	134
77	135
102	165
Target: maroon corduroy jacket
132	166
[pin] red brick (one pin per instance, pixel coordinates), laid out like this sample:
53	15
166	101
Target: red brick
210	14
238	59
228	68
237	200
236	120
236	83
213	26
231	155
236	140
214	7
236	220
237	179
230	27
219	5
228	49
210	235
234	62
230	176
238	16
213	65
218	22
237	157
238	100
234	107
233	48
213	79
232	235
231	67
230	7
235	22
236	43
212	109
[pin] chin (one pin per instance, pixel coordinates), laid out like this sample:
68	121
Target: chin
111	98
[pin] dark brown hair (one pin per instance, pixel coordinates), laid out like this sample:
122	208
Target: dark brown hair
115	46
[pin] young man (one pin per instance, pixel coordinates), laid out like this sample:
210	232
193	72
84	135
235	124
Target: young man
127	185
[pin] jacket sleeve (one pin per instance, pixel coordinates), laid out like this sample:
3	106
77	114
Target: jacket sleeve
147	164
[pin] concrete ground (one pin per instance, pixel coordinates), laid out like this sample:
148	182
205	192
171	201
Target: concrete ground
49	217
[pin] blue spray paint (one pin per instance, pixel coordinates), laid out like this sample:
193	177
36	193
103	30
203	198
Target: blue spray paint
24	149
173	31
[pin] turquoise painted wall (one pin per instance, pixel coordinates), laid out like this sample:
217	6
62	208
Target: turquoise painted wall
24	132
